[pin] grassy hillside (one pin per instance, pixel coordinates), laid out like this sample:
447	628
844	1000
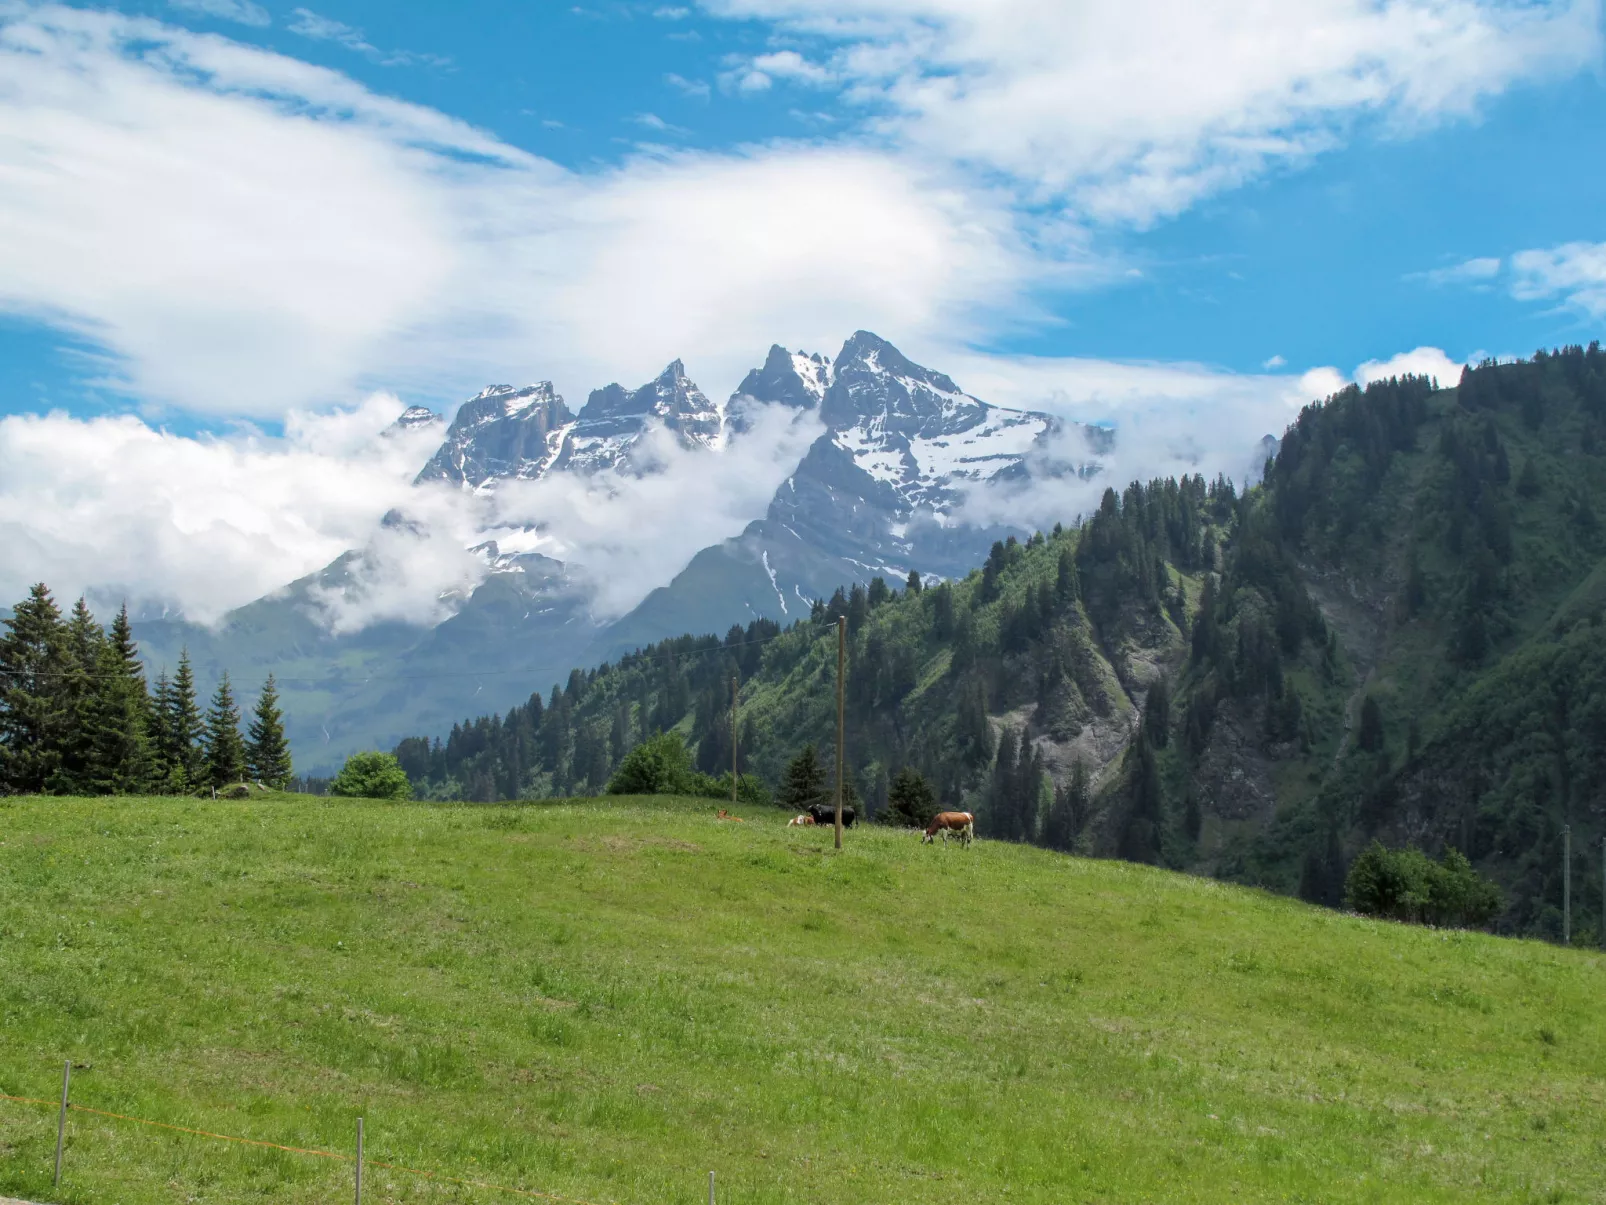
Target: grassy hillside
606	999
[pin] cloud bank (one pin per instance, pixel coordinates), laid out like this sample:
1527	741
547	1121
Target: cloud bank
118	508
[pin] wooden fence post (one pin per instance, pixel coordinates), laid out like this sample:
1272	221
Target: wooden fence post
61	1120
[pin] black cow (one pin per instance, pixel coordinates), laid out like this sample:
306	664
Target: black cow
825	813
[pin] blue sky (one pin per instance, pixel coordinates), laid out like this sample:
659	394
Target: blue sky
236	236
1320	257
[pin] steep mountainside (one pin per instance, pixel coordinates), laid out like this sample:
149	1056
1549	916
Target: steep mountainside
1397	635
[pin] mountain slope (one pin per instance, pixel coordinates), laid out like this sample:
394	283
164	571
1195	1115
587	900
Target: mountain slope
1396	636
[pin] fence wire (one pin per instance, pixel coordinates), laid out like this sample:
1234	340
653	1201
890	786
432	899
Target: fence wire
529	1193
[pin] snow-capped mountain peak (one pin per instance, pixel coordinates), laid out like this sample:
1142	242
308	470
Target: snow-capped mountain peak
790	378
501	432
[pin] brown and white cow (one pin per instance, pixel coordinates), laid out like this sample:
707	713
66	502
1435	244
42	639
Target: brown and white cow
962	823
803	821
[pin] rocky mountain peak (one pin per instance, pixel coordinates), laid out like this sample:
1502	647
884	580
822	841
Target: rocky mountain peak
874	381
788	378
414	417
501	432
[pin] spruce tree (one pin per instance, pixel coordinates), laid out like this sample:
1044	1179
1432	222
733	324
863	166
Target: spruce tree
910	799
181	730
225	751
805	780
267	754
33	718
121	753
79	686
161	706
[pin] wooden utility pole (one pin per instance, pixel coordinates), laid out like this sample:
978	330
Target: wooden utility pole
735	690
841	673
1566	884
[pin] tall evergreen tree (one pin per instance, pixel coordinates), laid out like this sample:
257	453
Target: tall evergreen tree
225	751
79	684
267	753
182	731
805	781
33	718
121	753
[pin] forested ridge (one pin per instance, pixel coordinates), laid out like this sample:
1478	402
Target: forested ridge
1397	635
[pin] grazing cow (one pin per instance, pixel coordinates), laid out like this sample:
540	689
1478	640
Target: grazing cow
825	813
803	821
724	815
945	823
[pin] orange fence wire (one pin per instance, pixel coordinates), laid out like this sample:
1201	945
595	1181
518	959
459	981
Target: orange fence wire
302	1150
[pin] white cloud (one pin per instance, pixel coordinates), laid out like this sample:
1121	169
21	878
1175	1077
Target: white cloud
671	13
1168	420
1133	109
1422	362
326	29
120	509
1274	362
698	89
1470	272
1574	273
653	122
626	535
246	233
242	11
202	525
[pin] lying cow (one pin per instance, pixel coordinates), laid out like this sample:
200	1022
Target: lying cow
945	823
803	821
825	813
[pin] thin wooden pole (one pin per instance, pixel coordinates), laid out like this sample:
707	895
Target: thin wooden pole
1603	893
710	1188
1567	885
61	1120
359	1161
841	672
735	691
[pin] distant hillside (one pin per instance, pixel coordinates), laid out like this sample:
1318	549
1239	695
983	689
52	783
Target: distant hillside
1396	635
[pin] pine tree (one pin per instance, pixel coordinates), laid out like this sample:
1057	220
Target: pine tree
267	753
225	751
182	750
121	757
910	799
79	685
161	706
33	718
805	780
1140	842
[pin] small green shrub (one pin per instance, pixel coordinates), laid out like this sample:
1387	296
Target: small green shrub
372	775
662	766
1405	884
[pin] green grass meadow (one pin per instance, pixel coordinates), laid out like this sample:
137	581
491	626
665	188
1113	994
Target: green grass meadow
606	999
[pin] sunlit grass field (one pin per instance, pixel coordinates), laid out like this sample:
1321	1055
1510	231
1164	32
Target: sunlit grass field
606	999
